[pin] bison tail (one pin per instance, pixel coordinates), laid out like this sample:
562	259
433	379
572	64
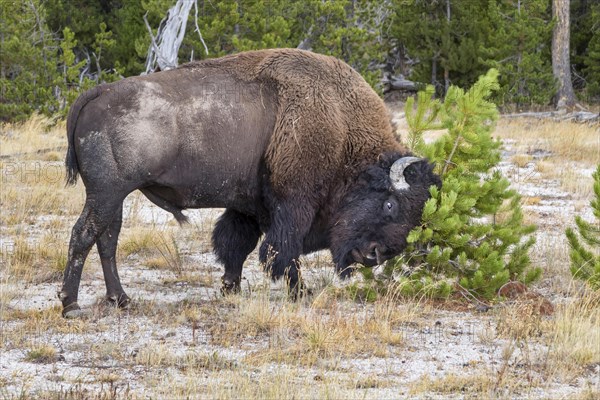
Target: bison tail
71	163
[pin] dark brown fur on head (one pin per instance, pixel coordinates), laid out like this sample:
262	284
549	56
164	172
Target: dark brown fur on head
374	218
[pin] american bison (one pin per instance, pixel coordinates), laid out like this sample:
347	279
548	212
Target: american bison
294	145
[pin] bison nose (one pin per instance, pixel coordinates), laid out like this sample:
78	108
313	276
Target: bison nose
375	252
371	252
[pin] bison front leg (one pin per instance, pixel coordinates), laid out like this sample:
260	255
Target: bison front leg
281	249
234	237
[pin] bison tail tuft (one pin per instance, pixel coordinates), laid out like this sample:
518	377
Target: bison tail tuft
71	165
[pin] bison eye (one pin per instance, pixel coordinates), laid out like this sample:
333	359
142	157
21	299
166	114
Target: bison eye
390	207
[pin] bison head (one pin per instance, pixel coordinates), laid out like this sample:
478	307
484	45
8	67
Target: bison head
379	211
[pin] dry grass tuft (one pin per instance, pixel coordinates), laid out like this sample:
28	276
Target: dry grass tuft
574	335
371	382
471	385
37	261
140	241
521	160
551	252
161	356
24	203
250	317
37	323
520	319
43	354
160	248
307	336
189	278
574	182
278	382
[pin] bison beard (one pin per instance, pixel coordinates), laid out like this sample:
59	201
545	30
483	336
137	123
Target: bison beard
294	145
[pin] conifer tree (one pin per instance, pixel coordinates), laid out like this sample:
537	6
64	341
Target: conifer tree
591	59
28	59
472	234
464	38
518	45
585	262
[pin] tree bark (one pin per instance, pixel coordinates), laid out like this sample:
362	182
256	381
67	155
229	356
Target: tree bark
434	70
561	65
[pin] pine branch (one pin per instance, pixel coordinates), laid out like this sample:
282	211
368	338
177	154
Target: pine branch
449	160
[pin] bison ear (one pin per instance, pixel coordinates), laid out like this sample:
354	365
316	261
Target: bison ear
377	178
386	160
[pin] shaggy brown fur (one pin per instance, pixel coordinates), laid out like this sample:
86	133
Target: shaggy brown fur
328	116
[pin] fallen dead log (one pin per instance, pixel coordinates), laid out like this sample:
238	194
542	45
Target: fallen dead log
399	83
577	116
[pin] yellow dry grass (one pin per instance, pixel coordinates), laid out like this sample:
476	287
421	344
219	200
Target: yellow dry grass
470	385
42	353
283	382
316	331
287	350
39	136
32	326
567	141
574	335
555	150
161	356
39	261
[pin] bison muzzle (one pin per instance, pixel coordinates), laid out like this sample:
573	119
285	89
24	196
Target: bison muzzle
294	145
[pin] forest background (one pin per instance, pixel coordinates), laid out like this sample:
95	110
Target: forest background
52	50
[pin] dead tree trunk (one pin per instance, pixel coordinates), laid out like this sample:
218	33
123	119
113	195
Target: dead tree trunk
561	65
164	47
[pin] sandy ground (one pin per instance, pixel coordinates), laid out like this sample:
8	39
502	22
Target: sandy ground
99	357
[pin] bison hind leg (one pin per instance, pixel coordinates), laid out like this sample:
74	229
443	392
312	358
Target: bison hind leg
98	213
234	237
107	248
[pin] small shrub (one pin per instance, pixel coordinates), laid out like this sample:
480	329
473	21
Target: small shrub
472	235
585	263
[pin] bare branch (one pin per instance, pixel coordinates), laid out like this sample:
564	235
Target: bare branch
164	47
153	51
198	28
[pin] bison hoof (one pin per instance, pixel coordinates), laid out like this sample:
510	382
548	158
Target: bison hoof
345	273
230	286
297	294
72	311
119	300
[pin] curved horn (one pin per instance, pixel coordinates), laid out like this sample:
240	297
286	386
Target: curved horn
397	172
